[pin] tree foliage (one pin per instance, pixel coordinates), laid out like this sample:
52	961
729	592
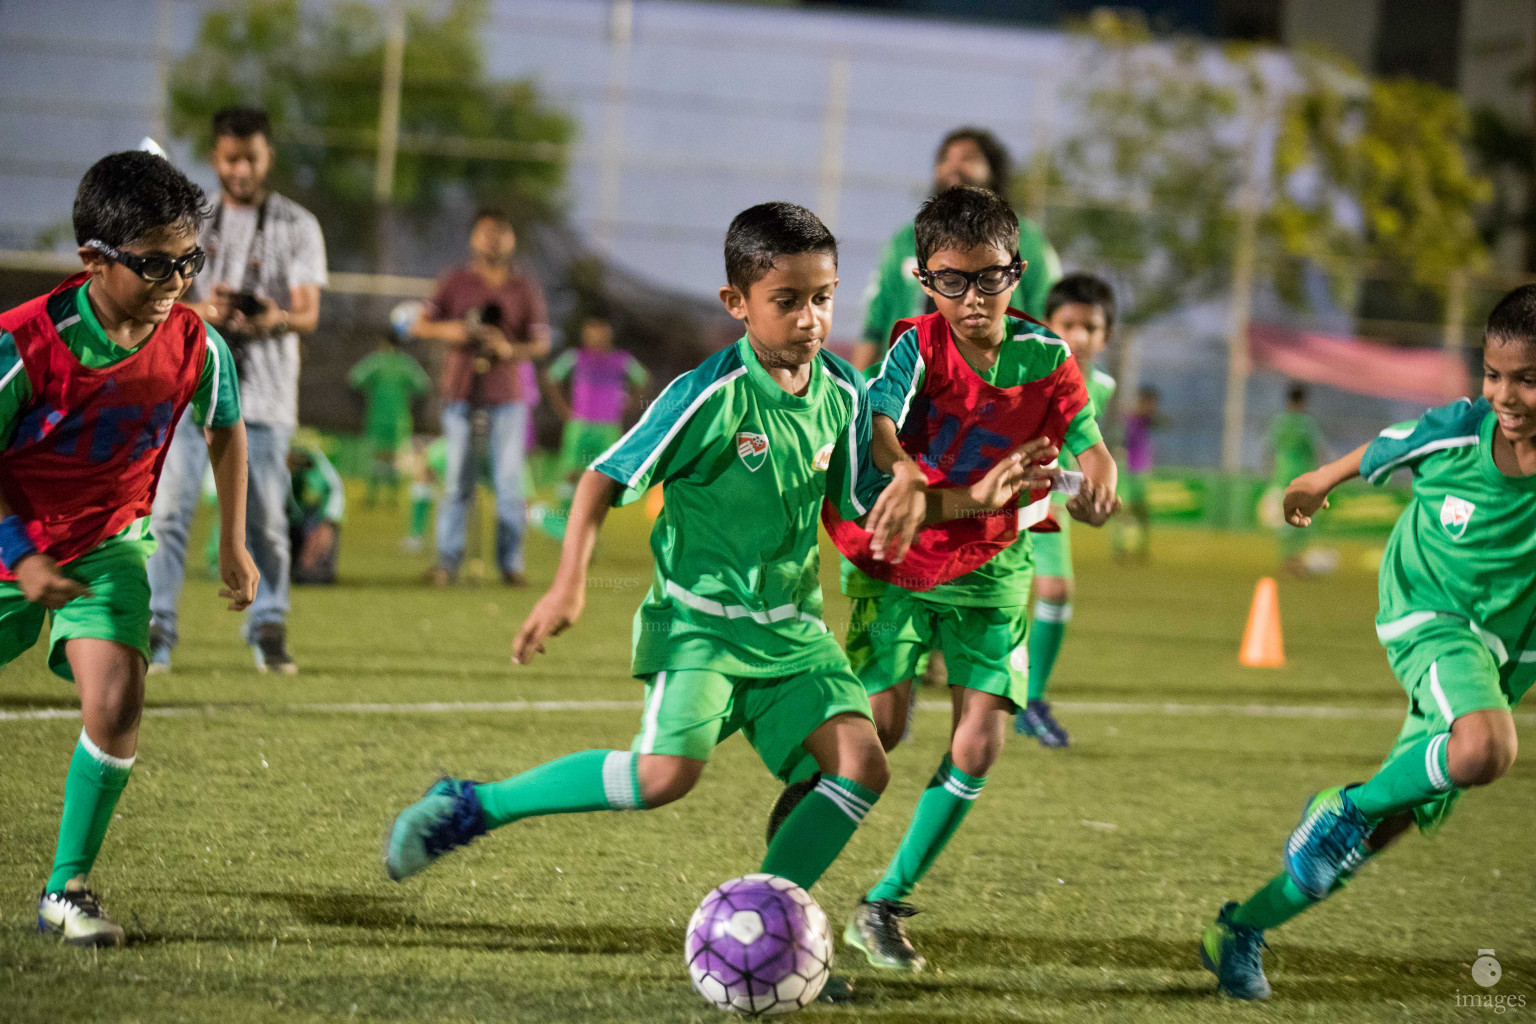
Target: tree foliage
317	71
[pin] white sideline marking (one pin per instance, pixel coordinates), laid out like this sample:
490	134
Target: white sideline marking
1323	711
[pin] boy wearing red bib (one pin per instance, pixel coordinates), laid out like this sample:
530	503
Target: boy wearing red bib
93	377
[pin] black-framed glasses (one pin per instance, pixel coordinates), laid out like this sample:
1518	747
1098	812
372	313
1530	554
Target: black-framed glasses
953	284
153	268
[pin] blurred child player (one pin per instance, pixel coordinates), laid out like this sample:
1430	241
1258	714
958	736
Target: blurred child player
93	378
1458	620
391	382
1080	308
603	381
1295	446
1134	539
942	386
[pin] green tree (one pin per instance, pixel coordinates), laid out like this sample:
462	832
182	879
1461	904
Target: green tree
1376	171
317	71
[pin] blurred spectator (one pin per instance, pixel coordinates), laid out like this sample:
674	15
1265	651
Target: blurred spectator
261	289
492	317
1133	530
967	156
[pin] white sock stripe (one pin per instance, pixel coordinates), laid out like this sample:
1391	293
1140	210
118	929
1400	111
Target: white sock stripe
953	776
843	800
102	756
618	781
1050	611
954	786
853	799
1437	778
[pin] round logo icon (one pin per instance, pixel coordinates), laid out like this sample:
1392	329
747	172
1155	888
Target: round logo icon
1485	969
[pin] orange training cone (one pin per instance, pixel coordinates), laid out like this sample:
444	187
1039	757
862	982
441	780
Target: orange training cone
1262	646
653	502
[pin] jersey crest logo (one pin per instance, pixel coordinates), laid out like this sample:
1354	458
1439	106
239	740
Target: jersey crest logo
823	460
753	449
1455	514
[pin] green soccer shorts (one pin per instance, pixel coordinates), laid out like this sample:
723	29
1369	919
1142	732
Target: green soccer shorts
984	648
117	608
1053	551
1448	672
583	441
859	644
688	712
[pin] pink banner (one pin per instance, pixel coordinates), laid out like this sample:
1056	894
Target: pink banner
1359	365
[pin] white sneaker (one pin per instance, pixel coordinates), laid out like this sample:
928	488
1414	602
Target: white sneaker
76	915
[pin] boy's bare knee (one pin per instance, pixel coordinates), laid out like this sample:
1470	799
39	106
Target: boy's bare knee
1056	589
1481	749
890	734
664	779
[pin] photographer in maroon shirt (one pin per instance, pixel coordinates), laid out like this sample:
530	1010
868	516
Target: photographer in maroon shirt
492	317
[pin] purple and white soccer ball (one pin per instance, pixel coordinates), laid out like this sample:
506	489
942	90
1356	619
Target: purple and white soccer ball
759	945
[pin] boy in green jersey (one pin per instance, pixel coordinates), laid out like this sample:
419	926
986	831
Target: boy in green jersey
93	378
968	261
1295	446
1081	310
730	637
1458	620
391	381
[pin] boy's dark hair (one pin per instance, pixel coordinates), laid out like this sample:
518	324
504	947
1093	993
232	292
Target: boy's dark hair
1085	289
996	154
1296	394
761	234
962	218
241	123
1514	318
494	213
125	196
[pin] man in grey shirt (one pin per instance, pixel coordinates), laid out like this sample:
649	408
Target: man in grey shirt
261	289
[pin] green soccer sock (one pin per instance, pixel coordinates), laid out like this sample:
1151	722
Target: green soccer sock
1273	905
592	780
421	509
1045	636
817	830
940	810
96	779
1417	775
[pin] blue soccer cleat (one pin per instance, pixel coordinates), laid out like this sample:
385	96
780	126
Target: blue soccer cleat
1235	954
447	817
1329	843
1035	719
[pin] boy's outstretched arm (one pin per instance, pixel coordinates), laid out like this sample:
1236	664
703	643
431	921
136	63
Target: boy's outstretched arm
1095	501
563	602
229	456
1309	492
1015	472
37	574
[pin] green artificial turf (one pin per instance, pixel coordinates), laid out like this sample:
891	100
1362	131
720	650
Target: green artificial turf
244	860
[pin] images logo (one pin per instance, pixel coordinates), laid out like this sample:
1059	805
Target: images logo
1487	972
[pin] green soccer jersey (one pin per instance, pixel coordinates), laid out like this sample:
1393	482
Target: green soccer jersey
216	403
1297	443
1028	353
390	381
895	294
1101	391
1466	544
744	467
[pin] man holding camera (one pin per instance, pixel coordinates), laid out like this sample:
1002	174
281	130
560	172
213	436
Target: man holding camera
261	289
493	319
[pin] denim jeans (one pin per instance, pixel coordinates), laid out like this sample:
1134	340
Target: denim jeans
266	521
508	438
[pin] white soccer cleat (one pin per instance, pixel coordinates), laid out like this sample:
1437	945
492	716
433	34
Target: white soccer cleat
76	915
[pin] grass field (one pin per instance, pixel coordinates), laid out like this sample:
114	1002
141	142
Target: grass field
245	858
